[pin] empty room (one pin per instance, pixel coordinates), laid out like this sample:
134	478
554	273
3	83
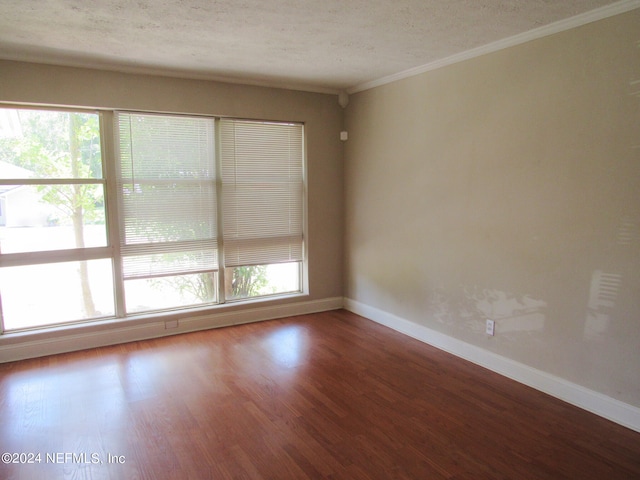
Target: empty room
340	240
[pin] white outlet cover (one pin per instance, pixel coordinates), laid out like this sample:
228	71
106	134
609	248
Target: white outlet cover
491	327
170	324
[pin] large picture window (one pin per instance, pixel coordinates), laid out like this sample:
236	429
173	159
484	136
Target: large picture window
185	212
262	197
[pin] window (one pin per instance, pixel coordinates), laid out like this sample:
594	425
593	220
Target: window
53	233
262	195
190	211
168	211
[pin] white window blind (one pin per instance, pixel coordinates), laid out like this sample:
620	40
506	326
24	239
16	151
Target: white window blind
262	192
167	190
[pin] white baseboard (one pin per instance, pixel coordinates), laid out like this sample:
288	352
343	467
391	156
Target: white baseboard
590	400
25	345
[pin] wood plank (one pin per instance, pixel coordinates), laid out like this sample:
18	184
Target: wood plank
329	395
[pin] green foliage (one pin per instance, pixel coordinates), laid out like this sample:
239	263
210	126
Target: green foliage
44	144
55	145
245	282
193	288
248	281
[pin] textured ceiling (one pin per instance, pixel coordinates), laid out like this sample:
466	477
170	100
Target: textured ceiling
327	45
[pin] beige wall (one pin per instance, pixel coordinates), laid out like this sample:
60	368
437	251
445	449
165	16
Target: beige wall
42	84
508	187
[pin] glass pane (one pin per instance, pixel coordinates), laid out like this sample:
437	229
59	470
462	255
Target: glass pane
53	293
260	280
48	144
51	217
177	291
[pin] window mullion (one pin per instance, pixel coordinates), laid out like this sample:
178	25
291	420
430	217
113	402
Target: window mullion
220	213
54	256
109	165
52	181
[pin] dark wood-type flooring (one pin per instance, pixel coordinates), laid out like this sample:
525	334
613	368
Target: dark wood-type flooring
329	395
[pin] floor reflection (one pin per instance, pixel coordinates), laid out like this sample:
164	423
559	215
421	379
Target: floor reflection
85	396
287	346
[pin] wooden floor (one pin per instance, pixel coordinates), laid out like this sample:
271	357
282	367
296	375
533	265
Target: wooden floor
329	395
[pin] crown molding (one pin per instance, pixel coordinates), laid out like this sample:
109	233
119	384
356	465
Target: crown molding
540	32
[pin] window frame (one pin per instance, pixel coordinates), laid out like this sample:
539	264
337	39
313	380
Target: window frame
113	225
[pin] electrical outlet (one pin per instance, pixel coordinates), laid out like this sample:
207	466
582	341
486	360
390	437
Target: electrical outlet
491	327
170	324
